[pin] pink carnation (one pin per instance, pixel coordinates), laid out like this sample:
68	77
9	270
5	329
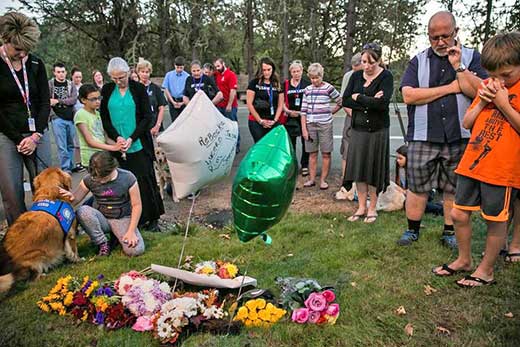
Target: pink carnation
300	315
316	302
143	324
314	317
333	310
329	295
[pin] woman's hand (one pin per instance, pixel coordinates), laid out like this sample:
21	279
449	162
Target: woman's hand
379	94
130	239
355	96
305	134
27	146
155	130
128	144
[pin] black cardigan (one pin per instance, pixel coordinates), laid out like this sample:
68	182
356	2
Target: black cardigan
369	113
143	115
13	112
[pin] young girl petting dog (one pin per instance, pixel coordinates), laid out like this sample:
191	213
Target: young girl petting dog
117	206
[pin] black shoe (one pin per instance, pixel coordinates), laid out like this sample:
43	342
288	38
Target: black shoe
79	168
153	226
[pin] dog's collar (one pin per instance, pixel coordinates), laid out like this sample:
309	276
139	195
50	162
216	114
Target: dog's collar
61	210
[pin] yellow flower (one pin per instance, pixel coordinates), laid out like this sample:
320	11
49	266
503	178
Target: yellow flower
85	280
43	306
56	306
270	307
206	270
331	319
251	305
85	316
92	287
264	315
253	315
260	303
248	323
101	304
62	312
232	270
241	314
68	299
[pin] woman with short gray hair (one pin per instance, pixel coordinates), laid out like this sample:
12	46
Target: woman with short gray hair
127	119
24	109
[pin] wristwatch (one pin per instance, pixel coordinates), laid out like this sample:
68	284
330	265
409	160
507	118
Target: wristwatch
461	68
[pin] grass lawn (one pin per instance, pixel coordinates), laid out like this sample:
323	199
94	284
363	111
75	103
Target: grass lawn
372	275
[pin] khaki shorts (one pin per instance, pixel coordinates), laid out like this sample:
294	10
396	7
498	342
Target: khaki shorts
320	138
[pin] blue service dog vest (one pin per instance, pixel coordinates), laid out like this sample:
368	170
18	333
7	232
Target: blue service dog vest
61	210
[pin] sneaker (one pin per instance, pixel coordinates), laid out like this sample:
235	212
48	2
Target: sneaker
449	240
408	238
104	250
305	172
341	194
153	226
79	168
194	195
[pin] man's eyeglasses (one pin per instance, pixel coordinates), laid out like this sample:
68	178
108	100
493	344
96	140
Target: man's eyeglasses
99	98
443	37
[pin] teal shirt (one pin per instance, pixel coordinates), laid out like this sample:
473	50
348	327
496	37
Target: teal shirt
122	114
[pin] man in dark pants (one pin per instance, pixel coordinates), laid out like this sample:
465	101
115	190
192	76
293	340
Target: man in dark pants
173	85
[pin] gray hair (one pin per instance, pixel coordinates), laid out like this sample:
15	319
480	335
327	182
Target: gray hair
296	64
356	59
117	64
315	69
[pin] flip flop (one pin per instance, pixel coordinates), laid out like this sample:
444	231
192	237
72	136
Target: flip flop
482	282
449	270
509	257
355	217
309	184
369	219
324	186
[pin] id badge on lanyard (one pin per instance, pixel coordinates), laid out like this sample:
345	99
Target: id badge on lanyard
25	93
297	101
271	104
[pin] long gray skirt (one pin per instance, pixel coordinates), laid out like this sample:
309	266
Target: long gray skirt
368	159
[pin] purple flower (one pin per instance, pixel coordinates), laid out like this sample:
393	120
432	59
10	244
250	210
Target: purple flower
109	292
100	318
99	291
100	276
86	286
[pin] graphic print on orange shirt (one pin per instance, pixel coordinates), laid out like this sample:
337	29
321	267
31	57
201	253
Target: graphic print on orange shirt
493	151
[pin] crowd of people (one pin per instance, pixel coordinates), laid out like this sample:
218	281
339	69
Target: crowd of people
462	140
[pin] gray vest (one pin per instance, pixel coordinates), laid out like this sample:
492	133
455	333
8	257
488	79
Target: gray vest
421	111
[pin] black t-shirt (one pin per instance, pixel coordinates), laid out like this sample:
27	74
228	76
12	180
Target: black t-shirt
262	101
193	85
294	95
61	92
156	97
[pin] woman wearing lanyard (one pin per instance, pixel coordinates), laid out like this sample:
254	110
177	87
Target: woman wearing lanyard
198	81
264	99
155	94
127	119
293	93
24	108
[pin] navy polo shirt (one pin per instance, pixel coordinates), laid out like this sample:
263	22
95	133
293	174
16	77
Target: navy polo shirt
443	116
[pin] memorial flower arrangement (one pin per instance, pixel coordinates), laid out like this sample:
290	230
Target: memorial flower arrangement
310	303
222	269
259	313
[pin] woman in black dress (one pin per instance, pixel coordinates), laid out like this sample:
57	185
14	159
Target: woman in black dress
368	94
127	119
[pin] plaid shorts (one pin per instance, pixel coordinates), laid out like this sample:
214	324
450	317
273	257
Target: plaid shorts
432	165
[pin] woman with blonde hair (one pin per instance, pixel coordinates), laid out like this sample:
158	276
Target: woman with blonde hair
24	109
158	102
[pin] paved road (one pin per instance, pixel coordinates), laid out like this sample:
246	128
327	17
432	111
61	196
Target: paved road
396	140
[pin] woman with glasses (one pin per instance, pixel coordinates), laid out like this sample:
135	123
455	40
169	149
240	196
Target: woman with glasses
127	119
24	109
92	137
368	94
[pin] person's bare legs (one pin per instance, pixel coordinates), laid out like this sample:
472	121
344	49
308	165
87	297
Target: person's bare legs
362	191
313	162
496	232
343	169
447	206
463	232
372	211
415	205
514	246
325	157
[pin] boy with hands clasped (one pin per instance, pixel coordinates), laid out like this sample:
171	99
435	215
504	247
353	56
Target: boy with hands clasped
489	172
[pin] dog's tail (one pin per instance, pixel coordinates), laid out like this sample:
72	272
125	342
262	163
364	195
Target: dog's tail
7	276
6	282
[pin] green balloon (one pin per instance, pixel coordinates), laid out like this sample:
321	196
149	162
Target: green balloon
264	185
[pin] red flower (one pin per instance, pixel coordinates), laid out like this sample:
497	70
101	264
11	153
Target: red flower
79	299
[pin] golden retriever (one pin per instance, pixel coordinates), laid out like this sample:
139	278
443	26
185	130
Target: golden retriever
162	172
35	242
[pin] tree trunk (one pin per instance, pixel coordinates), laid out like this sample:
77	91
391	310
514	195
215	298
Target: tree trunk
163	13
285	42
487	28
348	50
249	38
313	36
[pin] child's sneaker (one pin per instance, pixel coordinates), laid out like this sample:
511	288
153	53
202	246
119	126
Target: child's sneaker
104	249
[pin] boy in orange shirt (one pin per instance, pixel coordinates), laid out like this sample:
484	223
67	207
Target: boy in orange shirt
489	171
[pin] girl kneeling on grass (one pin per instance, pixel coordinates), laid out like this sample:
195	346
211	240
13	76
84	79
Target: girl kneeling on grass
117	207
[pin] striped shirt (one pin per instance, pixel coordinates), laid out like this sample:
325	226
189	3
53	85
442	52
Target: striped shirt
316	103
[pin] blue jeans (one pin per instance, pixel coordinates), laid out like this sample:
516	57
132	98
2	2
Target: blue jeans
64	133
233	116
